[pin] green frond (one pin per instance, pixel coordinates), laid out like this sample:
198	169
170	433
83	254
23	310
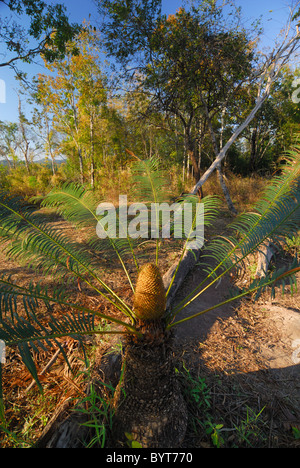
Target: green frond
275	216
150	185
74	203
79	206
33	240
256	288
205	217
30	296
33	295
26	356
21	331
150	182
30	333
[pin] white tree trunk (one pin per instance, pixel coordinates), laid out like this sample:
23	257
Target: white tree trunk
272	67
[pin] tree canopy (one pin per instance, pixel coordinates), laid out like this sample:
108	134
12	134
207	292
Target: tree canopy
47	35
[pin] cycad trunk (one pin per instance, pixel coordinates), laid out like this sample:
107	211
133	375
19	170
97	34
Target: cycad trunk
148	401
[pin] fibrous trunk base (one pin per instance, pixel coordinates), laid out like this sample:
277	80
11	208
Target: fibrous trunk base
148	402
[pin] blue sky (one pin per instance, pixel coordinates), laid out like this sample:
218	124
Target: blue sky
273	22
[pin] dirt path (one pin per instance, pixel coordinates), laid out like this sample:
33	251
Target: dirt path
287	353
257	344
281	318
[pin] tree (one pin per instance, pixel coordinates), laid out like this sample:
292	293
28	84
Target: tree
127	29
16	140
48	33
43	125
193	64
148	403
271	131
202	63
75	97
197	63
92	104
144	136
198	68
24	138
267	75
9	142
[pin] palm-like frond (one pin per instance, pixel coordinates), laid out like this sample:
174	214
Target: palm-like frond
208	210
74	324
150	182
151	185
10	292
33	295
257	287
74	203
275	216
29	333
33	240
25	333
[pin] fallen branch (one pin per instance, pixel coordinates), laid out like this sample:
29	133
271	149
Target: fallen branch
47	367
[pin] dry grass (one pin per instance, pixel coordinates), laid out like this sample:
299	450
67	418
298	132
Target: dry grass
244	191
258	407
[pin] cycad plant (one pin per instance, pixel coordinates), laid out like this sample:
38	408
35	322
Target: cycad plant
148	403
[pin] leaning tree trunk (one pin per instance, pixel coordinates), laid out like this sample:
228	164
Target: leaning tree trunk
226	191
148	401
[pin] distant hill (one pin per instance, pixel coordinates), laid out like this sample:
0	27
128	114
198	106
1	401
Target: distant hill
3	162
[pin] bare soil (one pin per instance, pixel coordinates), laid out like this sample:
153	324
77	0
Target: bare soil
249	354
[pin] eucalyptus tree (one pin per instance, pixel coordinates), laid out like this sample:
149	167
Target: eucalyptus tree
192	63
197	64
9	142
43	127
201	63
74	95
147	402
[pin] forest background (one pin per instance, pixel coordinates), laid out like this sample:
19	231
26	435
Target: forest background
173	86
